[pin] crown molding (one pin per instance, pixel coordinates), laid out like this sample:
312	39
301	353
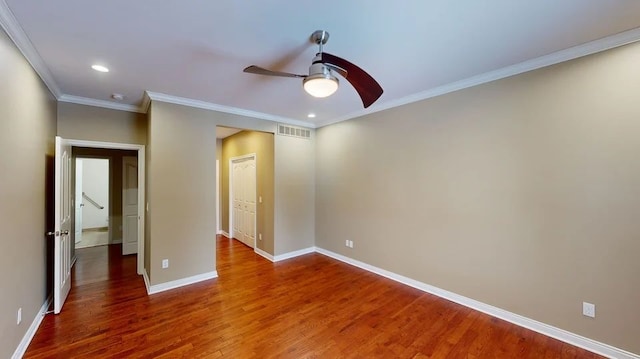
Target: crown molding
571	53
15	32
100	103
155	96
146	102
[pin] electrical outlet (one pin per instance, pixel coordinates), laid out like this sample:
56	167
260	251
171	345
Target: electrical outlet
19	316
260	236
588	309
165	263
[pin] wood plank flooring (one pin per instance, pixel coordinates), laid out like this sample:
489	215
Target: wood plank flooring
307	307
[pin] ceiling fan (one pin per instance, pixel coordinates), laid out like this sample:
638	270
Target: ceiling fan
321	82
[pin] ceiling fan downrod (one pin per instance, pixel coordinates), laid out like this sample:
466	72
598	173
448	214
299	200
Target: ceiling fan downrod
320	37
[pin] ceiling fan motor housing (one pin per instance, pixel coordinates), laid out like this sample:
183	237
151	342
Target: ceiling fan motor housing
320	82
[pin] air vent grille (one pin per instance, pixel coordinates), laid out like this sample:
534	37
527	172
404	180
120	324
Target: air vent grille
286	130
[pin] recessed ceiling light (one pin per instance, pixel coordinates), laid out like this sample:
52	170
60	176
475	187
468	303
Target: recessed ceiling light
100	68
117	96
311	115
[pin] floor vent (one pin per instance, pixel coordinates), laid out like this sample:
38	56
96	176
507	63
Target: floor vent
286	130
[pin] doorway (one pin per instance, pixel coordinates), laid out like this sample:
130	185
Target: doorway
126	183
243	199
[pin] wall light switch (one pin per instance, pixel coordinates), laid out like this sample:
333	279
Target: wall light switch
165	263
260	199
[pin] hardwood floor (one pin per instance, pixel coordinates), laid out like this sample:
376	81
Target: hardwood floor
306	307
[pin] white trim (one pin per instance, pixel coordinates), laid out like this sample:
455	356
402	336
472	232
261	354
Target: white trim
33	328
141	185
74	259
147	282
224	234
157	288
557	57
146	102
285	256
263	254
548	330
100	103
12	27
218	214
155	96
289	255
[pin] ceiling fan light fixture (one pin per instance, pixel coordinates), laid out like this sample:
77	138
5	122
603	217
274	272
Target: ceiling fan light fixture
320	85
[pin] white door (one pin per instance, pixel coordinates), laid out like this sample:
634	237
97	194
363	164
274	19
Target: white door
129	205
249	205
244	200
78	201
237	202
62	220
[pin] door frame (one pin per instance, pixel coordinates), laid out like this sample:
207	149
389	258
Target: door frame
231	160
126	159
218	199
141	185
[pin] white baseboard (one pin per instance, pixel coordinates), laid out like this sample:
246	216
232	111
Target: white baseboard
33	328
284	256
157	288
73	261
542	328
147	282
301	252
224	234
263	254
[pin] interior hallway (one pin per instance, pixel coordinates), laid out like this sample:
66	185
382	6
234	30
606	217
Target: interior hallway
309	306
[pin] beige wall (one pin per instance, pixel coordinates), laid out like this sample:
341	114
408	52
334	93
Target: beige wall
262	144
294	193
522	193
80	122
27	132
181	192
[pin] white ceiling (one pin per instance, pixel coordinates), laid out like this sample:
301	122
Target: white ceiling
196	50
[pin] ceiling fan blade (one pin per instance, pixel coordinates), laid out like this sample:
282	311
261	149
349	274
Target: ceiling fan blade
253	69
366	86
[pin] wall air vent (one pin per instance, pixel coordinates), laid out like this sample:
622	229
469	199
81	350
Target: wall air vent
286	130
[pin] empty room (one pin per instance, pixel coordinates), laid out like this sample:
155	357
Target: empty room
363	179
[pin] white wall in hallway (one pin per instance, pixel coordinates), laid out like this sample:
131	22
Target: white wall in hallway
95	184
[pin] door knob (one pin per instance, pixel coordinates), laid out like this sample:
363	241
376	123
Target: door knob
64	233
51	233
